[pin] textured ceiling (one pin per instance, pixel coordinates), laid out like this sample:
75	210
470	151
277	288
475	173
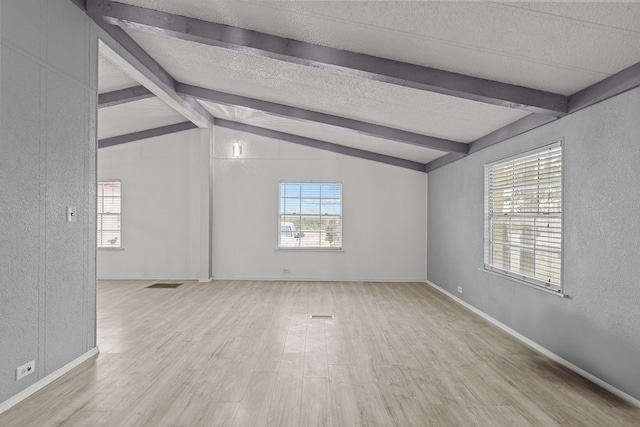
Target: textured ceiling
328	92
111	77
560	48
135	116
323	133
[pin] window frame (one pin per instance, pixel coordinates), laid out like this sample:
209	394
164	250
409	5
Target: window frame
556	289
310	248
119	245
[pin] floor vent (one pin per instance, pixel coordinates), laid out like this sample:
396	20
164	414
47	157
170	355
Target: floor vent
165	285
321	316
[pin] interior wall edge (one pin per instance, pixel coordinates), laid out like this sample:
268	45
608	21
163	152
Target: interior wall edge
43	382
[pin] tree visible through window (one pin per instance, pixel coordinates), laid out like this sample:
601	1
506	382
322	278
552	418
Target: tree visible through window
310	215
109	214
523	216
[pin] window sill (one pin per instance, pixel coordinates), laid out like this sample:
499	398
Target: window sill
299	249
110	249
557	293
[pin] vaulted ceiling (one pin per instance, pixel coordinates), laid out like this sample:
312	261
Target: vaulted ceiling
414	84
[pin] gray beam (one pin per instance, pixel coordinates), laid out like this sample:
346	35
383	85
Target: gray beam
82	4
358	64
144	134
328	119
123	96
516	128
126	54
322	145
441	161
614	85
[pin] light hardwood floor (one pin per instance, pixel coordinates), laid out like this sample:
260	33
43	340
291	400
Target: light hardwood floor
246	354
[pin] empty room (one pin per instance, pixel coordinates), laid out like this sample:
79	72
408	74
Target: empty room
319	213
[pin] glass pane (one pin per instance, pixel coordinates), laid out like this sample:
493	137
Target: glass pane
289	189
330	228
290	206
310	206
501	256
331	191
524	207
548	267
500	228
292	220
286	230
310	223
310	190
330	206
310	214
108	218
310	239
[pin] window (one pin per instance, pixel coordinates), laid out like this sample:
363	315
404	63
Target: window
523	217
310	215
109	214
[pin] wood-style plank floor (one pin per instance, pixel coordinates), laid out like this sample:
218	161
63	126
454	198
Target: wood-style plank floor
247	354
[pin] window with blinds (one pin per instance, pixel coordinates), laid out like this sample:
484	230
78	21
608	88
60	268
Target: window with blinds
109	214
523	217
310	215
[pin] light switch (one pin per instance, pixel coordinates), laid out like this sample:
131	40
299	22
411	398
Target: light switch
71	214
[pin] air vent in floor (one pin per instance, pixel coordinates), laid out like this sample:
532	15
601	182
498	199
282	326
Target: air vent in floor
321	316
165	285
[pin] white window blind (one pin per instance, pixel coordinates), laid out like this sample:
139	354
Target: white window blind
310	215
523	217
109	214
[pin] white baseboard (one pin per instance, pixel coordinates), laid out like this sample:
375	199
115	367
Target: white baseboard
321	279
11	402
605	385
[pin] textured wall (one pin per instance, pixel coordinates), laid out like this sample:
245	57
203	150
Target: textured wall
384	211
597	328
161	198
48	74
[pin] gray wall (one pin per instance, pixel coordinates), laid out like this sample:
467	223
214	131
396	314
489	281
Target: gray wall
383	208
384	228
161	195
48	64
598	327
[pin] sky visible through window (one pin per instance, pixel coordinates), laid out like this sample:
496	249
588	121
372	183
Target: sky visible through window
310	199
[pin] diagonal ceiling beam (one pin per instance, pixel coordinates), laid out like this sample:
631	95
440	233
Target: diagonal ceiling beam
121	50
123	96
614	85
322	145
144	134
516	128
441	161
358	64
82	4
328	119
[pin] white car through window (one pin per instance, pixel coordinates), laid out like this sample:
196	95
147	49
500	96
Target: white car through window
289	236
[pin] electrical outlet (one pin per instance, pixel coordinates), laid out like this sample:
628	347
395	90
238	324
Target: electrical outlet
285	271
459	289
26	369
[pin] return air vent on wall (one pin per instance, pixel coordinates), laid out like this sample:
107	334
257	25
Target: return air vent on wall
165	285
